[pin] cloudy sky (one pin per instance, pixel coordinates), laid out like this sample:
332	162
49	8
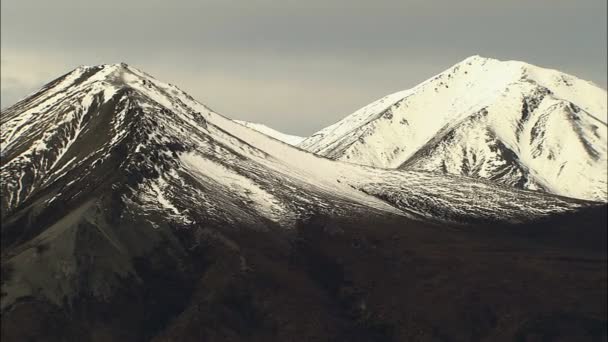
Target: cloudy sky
294	65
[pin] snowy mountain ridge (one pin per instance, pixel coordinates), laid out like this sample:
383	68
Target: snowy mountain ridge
509	122
286	138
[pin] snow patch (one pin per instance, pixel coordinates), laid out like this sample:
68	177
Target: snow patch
249	191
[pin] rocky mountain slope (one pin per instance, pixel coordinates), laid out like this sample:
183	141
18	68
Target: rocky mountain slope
131	212
509	122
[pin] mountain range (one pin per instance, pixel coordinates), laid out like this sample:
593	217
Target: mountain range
509	122
132	212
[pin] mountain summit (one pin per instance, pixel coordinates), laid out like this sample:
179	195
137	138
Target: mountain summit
509	122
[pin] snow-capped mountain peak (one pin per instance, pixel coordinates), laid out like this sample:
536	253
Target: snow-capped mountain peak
512	122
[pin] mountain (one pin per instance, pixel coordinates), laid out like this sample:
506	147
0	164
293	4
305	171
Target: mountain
131	212
286	138
509	122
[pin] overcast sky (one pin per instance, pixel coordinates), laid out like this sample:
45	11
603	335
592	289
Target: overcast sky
300	65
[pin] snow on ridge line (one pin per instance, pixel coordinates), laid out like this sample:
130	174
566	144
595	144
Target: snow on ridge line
273	133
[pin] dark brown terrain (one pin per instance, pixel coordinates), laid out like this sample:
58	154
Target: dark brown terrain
350	280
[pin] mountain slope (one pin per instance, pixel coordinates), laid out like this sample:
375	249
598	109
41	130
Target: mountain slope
132	212
509	122
116	109
286	138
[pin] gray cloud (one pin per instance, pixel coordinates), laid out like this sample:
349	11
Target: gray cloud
295	65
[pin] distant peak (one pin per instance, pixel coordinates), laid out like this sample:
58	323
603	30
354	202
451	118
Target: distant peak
474	58
115	73
121	65
107	69
481	60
